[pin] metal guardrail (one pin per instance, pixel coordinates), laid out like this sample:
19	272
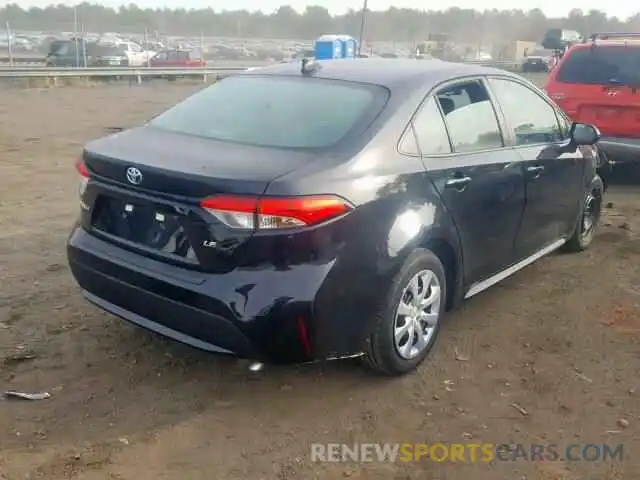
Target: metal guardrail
29	71
40	60
23	59
140	72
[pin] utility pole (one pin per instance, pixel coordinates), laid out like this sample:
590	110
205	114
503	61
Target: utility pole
9	43
362	23
75	36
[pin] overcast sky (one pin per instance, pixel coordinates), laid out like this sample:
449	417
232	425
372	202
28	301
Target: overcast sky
620	8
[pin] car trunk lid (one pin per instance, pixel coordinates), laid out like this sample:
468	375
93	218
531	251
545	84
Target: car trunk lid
147	187
187	166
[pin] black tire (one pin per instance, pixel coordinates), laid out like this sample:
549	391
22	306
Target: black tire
604	169
380	353
592	205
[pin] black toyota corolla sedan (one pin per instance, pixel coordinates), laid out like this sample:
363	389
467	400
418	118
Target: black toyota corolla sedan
310	211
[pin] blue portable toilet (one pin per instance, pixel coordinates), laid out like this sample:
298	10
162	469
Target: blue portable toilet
349	46
328	47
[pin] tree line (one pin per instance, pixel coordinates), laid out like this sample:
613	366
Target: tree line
394	24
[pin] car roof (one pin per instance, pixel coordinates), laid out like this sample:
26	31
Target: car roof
387	72
607	43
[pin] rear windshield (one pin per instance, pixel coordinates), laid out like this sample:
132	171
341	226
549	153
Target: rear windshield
602	65
281	112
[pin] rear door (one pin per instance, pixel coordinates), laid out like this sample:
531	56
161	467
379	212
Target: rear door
553	172
480	181
601	85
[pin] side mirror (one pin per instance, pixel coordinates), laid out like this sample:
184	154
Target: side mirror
584	134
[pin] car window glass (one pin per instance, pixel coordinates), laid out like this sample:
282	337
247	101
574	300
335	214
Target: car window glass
430	130
182	55
281	112
602	65
408	143
565	126
532	119
470	117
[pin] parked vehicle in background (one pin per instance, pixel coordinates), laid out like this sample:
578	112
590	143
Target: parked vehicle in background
136	56
177	58
331	210
108	56
559	39
153	46
538	61
68	53
223	52
597	82
80	52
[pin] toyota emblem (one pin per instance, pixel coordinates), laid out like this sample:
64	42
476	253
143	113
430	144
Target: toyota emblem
134	175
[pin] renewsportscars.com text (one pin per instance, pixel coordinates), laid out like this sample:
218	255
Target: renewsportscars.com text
465	452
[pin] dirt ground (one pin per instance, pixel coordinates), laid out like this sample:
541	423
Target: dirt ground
559	340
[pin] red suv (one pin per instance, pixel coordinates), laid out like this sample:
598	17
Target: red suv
177	58
598	82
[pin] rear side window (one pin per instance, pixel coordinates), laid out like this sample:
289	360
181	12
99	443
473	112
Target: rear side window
601	65
280	112
430	130
470	117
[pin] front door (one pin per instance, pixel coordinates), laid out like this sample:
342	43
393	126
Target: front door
480	181
553	171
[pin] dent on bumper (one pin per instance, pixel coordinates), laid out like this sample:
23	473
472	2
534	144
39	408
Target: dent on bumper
153	326
248	313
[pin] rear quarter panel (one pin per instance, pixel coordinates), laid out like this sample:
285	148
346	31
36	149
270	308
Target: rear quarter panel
396	211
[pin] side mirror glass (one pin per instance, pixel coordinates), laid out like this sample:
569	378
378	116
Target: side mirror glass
584	134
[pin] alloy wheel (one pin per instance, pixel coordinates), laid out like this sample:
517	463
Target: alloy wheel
418	314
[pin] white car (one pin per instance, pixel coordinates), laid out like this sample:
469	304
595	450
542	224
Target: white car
136	55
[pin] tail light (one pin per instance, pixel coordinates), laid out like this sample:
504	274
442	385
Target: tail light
270	213
84	177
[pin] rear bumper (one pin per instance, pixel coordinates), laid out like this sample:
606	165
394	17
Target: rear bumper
621	150
254	314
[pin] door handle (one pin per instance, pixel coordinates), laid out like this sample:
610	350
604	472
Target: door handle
458	183
537	169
